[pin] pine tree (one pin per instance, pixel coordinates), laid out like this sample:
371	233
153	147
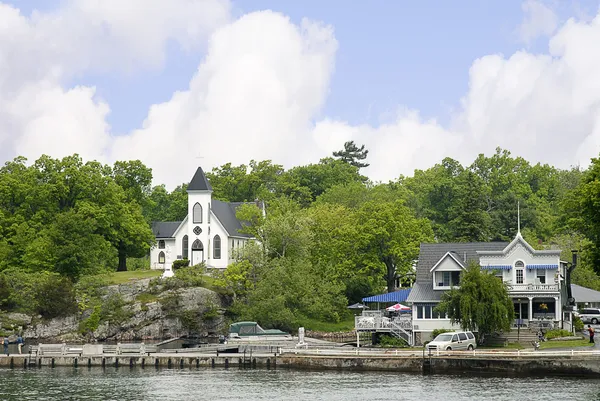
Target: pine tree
352	154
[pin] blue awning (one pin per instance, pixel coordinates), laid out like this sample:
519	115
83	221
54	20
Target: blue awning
396	296
542	267
497	267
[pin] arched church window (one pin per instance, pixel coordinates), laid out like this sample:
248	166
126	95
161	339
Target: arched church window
197	213
184	247
217	247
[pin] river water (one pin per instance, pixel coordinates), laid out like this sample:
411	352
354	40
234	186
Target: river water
282	384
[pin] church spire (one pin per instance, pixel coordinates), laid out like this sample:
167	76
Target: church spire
518	218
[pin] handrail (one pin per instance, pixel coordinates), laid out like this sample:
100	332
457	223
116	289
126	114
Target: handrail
417	352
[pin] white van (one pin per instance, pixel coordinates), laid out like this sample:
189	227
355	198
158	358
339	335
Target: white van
452	341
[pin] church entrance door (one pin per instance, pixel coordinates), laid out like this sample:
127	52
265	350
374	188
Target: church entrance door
197	252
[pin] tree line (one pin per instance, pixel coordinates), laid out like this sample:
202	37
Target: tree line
330	236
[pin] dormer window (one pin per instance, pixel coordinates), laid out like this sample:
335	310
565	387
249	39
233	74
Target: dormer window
446	272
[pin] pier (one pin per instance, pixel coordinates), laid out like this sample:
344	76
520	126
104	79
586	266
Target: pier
572	362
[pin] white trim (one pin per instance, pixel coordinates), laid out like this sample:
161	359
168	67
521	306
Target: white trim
444	257
513	243
180	226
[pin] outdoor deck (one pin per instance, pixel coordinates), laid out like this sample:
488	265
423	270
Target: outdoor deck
375	321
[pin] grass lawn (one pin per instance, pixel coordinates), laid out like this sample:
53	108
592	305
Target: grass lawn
124	277
315	325
566	344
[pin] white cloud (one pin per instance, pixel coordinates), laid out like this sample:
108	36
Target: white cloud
252	98
539	20
40	53
263	82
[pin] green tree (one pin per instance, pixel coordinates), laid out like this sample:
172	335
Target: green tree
390	238
305	183
583	207
352	154
480	304
434	195
469	220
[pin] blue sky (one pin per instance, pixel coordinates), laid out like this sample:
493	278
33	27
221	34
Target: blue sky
466	67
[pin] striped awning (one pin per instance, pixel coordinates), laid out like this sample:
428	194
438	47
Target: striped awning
542	267
396	296
497	267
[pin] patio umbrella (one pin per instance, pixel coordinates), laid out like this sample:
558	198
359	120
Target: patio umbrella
398	308
358	306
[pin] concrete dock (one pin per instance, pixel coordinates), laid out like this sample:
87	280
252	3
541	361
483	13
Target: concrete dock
507	363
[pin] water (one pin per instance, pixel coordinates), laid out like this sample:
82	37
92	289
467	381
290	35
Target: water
281	384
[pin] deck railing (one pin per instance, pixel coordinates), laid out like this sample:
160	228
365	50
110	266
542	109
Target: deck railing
375	322
533	287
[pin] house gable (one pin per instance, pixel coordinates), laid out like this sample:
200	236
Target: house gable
448	262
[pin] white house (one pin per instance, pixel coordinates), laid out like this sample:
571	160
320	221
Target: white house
535	280
209	233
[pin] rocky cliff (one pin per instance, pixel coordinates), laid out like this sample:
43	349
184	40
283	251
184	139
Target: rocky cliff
135	311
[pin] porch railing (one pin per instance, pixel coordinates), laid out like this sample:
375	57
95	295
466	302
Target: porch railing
533	287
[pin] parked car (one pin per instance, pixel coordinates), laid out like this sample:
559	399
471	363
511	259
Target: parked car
456	340
590	315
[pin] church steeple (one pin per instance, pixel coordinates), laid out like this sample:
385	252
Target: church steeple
199	182
518	218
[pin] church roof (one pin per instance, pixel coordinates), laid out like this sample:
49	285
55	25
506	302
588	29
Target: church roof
225	212
199	182
164	229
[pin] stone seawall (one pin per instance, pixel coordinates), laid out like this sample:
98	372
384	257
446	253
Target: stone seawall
555	365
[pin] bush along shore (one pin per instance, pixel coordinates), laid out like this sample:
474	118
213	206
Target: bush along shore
94	309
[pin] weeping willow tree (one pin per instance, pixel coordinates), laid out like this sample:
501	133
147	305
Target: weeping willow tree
481	303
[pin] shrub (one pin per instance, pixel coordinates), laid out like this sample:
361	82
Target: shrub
142	263
44	293
577	323
179	263
387	341
90	324
557	333
437	332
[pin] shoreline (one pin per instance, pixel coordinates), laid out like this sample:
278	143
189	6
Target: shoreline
580	365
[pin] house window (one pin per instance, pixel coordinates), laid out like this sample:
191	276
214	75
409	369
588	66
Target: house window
161	258
541	276
419	312
184	247
217	247
428	312
448	279
197	213
161	244
519	274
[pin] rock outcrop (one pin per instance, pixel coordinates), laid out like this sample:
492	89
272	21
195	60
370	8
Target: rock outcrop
151	312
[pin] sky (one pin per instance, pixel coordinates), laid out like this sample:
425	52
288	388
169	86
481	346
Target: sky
183	83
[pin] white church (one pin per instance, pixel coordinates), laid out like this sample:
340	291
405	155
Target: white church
209	233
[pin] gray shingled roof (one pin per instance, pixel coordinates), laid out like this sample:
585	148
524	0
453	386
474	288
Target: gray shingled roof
225	212
424	292
582	294
465	252
199	182
164	229
430	254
